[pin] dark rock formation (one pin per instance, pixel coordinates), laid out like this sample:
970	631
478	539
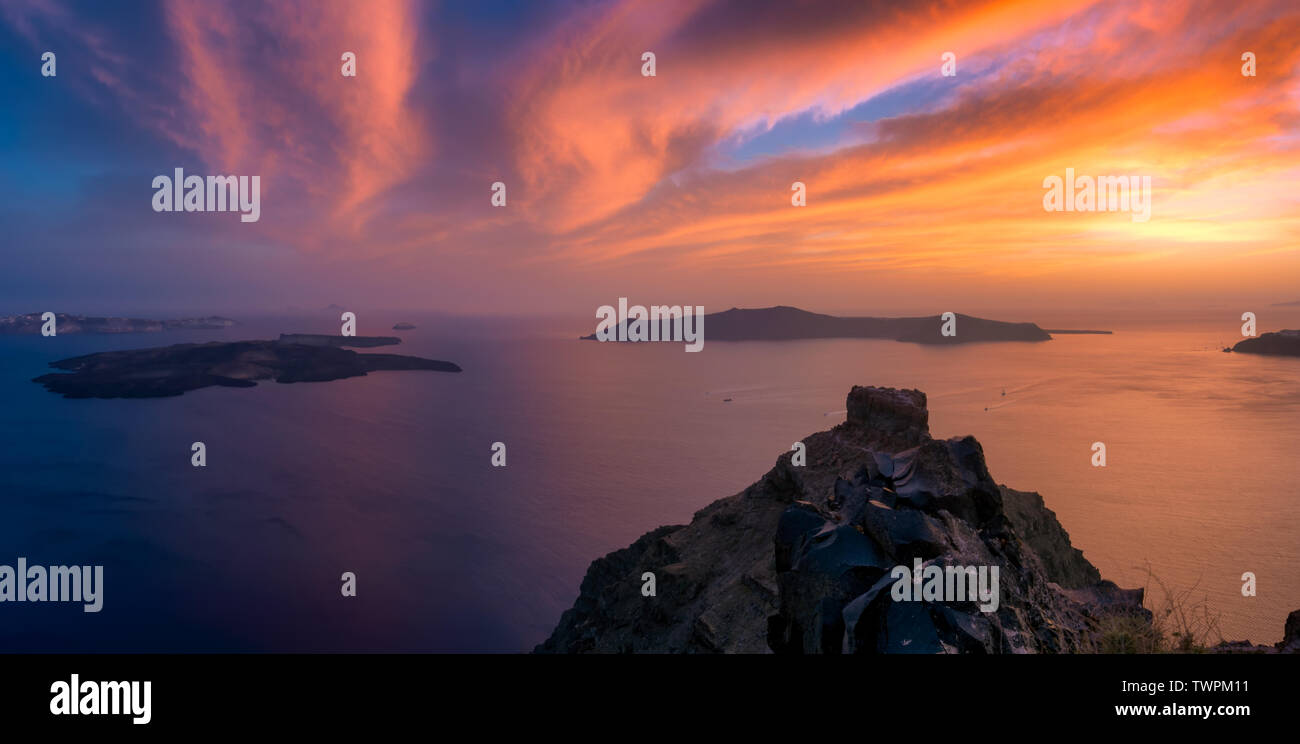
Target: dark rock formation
802	561
173	370
1041	531
1277	343
1290	643
323	339
783	323
66	324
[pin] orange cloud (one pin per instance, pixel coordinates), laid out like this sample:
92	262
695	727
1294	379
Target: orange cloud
595	136
957	190
291	116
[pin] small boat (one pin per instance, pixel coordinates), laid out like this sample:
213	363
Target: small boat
726	400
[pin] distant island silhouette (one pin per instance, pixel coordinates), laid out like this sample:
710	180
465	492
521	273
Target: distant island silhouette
1275	343
324	339
785	323
66	323
174	370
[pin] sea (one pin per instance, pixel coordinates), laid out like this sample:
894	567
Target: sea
389	476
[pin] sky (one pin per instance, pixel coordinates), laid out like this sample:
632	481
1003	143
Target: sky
924	192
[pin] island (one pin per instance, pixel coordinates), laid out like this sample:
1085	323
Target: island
174	370
403	326
1275	343
31	324
323	339
784	323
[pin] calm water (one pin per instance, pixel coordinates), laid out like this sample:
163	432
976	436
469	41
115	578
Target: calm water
388	476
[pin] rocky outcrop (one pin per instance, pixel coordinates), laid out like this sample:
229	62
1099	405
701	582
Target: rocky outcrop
174	370
1290	643
1039	528
1276	343
805	560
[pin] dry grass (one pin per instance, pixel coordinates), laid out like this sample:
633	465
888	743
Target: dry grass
1181	623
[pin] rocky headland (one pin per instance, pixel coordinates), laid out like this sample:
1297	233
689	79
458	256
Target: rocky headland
1275	343
173	370
31	323
801	561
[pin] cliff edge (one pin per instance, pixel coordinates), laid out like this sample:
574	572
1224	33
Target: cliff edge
803	560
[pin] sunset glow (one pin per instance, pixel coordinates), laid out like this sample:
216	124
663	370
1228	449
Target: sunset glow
919	186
